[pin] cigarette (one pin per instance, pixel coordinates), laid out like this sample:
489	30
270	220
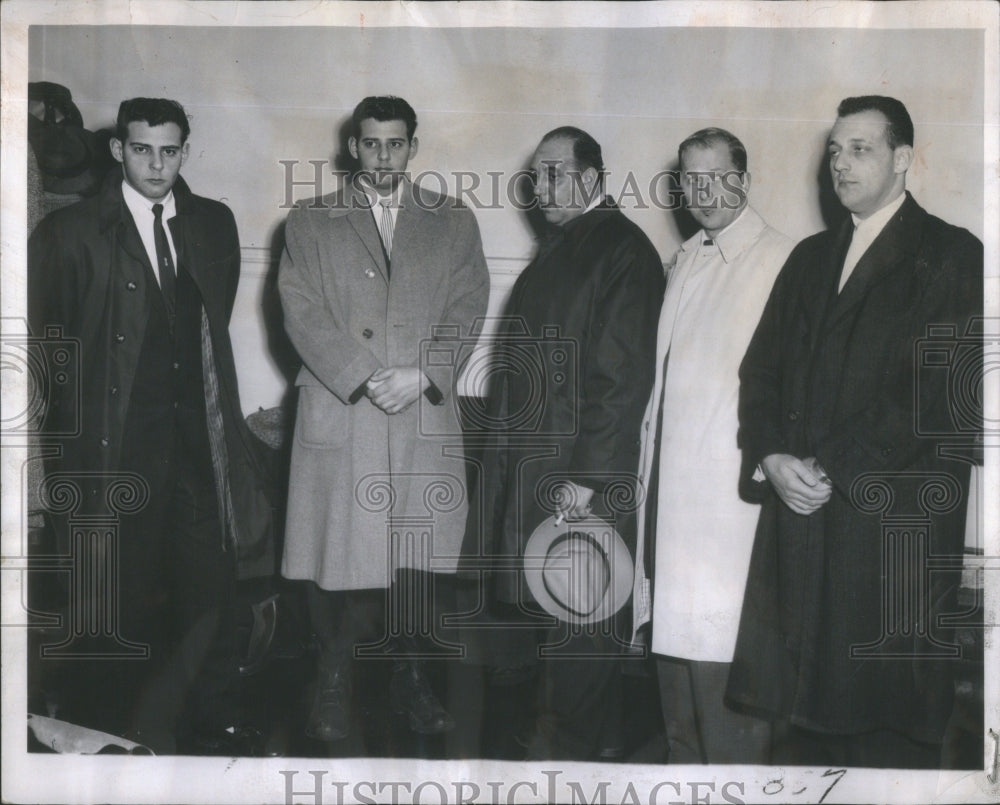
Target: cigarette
559	518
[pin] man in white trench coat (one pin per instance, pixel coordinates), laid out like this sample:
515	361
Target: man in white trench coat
380	283
698	533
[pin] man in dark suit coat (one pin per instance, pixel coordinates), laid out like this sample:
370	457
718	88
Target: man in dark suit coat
144	277
841	640
573	368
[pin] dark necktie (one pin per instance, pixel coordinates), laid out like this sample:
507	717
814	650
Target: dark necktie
164	262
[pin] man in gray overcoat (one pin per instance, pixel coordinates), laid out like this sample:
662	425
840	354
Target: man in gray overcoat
380	283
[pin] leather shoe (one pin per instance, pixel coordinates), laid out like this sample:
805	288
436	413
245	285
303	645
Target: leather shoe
329	719
412	696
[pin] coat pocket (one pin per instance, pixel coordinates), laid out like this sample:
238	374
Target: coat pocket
322	420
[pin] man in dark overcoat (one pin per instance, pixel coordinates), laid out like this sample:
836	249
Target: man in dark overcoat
842	421
143	278
572	370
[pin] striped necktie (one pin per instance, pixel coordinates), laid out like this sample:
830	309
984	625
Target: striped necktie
385	226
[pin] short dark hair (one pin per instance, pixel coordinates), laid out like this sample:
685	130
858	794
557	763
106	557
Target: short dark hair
155	112
586	150
384	107
706	138
899	130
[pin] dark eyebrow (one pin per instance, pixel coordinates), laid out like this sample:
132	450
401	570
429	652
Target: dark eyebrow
147	145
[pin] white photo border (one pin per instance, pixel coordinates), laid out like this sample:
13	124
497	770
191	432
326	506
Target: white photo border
29	777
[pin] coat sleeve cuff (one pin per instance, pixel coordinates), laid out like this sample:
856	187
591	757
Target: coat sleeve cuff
441	381
349	384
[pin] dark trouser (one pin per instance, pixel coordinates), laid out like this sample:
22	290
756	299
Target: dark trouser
343	619
881	749
699	726
178	597
401	621
581	694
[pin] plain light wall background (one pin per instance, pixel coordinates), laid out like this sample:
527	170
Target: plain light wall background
484	96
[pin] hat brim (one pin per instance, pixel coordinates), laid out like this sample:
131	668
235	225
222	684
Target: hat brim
619	587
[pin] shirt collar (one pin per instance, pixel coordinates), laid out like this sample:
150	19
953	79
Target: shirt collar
375	199
876	222
137	201
732	240
595	202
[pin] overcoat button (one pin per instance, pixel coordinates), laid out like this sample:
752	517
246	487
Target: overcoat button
119	337
370	273
886	451
793	416
131	285
367	333
114	390
176	365
104	442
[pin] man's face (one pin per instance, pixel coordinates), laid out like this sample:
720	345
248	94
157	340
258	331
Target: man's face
383	149
563	191
151	157
713	189
867	173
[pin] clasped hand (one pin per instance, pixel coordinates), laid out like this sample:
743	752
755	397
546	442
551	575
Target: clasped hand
800	483
572	501
395	389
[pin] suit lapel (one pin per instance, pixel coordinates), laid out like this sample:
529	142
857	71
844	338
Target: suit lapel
827	278
360	217
130	241
178	231
404	240
884	255
412	240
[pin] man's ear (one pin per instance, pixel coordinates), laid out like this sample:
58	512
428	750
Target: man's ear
116	149
414	143
352	147
185	150
736	184
902	158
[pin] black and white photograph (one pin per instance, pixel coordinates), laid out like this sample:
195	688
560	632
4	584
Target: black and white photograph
500	402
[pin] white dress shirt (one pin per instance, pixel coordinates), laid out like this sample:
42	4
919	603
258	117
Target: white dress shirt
865	232
376	206
142	213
